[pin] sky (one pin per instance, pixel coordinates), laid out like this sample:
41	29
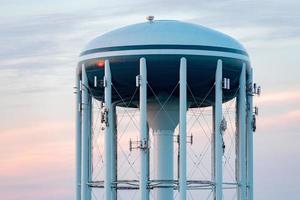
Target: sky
40	42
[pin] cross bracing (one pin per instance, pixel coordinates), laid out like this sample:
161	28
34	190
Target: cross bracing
200	140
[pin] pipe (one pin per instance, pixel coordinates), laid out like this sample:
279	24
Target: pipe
163	122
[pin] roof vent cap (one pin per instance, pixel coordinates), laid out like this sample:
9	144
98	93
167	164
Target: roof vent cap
150	18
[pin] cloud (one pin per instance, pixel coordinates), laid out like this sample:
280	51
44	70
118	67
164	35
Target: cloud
38	56
279	97
41	43
37	161
284	122
250	21
280	111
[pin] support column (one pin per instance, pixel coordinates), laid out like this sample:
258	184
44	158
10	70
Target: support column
86	133
218	151
115	151
90	139
78	137
241	119
108	134
182	129
249	137
144	151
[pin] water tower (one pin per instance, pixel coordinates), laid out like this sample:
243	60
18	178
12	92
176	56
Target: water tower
163	69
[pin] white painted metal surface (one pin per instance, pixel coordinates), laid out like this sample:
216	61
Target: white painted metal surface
158	32
242	165
218	150
78	137
114	175
163	144
163	123
86	132
182	128
108	134
144	177
164	52
249	136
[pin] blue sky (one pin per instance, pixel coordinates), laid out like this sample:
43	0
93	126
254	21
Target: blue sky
40	42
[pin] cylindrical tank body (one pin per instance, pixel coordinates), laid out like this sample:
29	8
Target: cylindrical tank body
163	43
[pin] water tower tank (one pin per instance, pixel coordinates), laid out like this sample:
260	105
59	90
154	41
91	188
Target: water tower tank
171	66
163	43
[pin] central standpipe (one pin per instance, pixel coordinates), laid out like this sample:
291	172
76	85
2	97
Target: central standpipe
163	119
163	122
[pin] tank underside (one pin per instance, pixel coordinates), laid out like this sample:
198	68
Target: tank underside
163	77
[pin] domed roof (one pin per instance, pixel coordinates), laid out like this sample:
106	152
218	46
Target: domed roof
164	32
163	43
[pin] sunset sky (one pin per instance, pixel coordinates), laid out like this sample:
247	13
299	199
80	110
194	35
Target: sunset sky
40	42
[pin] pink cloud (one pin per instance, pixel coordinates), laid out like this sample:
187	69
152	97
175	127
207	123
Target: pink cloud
279	97
287	120
284	113
37	161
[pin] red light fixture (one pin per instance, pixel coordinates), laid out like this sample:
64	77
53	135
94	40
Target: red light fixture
100	63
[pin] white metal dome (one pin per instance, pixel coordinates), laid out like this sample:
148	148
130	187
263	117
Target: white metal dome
167	32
